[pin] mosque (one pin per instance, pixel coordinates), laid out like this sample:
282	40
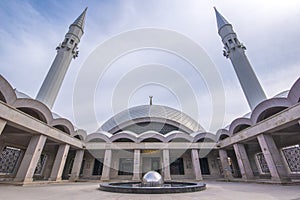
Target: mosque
38	145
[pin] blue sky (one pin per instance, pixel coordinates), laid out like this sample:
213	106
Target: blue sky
31	30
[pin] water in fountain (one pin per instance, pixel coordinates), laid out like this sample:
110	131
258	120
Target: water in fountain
152	183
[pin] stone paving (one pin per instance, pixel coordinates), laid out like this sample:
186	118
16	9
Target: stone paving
89	191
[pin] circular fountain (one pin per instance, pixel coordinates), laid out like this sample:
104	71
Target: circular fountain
153	183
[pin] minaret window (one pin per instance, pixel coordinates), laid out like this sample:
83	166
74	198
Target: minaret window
72	41
226	45
230	41
236	41
65	41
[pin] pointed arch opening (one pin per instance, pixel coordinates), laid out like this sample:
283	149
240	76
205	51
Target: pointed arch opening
62	128
34	113
151	140
223	137
270	112
240	128
2	98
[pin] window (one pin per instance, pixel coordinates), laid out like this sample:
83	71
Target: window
226	46
8	159
125	166
40	165
292	157
262	163
71	41
230	41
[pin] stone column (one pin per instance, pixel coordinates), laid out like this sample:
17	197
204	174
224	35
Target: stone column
77	165
31	158
225	165
2	125
59	163
273	158
106	165
196	164
166	164
136	165
243	161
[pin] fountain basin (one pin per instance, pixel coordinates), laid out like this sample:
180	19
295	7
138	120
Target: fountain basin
167	187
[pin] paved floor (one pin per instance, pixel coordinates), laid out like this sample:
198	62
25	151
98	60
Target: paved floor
89	191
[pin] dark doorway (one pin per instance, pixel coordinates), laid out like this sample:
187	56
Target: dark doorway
98	167
204	166
176	167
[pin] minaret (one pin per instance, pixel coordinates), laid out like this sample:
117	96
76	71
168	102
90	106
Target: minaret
235	51
66	50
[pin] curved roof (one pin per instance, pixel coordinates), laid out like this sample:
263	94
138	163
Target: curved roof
157	113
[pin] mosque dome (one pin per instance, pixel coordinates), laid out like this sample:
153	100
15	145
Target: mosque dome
157	118
21	94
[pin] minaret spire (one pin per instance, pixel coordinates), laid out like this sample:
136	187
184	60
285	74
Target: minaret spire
221	21
66	50
80	21
235	51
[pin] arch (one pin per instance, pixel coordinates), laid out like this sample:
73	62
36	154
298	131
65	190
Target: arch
7	93
204	137
178	136
294	94
2	98
223	137
125	136
222	133
97	136
79	137
34	108
268	108
79	134
239	124
269	112
150	135
63	125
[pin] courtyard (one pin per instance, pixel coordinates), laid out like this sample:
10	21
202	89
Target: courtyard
89	191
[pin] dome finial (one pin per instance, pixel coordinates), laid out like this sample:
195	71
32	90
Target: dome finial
150	97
